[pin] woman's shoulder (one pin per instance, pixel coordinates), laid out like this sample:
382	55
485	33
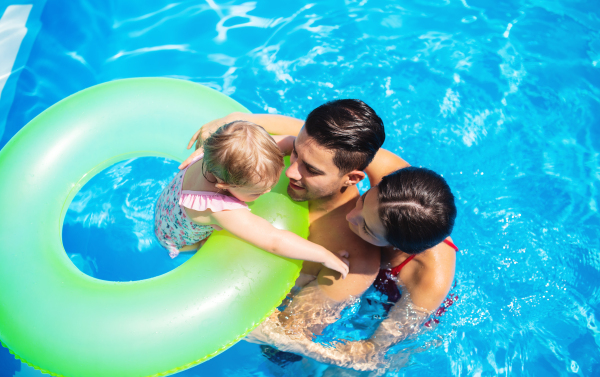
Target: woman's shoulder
431	276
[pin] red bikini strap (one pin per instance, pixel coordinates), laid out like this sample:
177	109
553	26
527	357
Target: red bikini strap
396	270
449	243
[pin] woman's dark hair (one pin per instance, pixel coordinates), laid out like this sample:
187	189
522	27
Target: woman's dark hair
351	128
416	208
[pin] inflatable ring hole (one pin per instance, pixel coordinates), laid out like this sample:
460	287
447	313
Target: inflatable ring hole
108	230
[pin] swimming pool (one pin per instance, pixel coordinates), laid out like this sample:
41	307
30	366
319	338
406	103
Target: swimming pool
500	98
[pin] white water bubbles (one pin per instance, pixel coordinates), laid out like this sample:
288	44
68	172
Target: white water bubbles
450	103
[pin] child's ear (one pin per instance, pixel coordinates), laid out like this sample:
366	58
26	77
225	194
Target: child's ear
221	185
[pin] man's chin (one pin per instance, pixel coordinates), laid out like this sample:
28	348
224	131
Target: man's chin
297	196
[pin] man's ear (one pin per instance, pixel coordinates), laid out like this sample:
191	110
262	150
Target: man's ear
354	177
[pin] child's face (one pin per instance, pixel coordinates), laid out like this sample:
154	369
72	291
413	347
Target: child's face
248	194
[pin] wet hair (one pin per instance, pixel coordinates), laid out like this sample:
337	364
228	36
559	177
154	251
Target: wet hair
416	208
351	128
242	153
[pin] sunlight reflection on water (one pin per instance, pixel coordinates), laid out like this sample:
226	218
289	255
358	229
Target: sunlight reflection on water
500	98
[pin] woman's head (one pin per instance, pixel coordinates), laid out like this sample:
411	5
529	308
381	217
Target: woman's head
411	209
244	158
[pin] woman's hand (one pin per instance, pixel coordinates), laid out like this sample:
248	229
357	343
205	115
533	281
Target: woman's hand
191	158
285	143
338	262
209	128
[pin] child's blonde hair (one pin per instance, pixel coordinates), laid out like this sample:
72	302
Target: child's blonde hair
242	153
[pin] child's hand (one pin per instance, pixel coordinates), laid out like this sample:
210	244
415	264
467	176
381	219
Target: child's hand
338	262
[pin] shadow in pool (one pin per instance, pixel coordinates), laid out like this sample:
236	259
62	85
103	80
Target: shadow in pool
9	364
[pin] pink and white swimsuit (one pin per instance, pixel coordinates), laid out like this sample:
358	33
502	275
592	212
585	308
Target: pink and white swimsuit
173	228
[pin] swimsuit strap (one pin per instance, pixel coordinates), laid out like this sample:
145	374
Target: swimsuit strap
396	270
449	243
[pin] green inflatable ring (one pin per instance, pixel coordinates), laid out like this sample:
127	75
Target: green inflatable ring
65	323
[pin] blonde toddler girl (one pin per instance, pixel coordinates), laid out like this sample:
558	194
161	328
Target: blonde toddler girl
241	162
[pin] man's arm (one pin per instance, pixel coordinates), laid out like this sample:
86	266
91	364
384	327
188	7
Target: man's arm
384	163
273	124
328	295
319	303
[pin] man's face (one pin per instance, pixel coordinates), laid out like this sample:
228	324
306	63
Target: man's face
312	172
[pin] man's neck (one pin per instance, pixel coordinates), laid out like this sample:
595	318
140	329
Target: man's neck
322	206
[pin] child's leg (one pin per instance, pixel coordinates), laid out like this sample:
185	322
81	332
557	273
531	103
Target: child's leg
194	247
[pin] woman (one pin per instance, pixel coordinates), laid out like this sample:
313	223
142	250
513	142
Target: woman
410	213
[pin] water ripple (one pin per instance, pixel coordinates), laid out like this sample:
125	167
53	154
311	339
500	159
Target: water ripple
501	98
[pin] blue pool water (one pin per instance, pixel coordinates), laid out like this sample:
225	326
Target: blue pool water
502	98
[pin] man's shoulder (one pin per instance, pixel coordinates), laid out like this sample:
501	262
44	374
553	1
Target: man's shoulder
334	234
364	259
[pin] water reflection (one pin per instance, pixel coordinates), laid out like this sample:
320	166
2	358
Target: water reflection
508	114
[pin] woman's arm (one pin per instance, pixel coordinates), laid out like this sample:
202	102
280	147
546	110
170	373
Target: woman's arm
259	232
285	143
289	333
384	163
273	124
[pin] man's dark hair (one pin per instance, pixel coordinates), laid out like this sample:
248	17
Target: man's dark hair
351	128
416	208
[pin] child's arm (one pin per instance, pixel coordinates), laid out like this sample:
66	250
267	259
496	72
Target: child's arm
259	232
285	143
